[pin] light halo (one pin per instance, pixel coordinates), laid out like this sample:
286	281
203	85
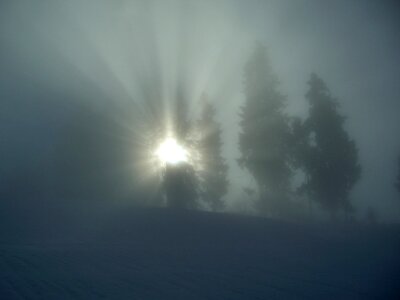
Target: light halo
170	152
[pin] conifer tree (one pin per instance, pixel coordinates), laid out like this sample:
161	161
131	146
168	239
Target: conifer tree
265	134
214	183
331	164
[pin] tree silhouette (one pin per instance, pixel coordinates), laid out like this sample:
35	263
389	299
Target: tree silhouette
265	133
331	157
180	181
214	183
301	155
180	186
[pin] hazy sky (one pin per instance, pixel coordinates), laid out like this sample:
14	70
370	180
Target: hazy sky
110	46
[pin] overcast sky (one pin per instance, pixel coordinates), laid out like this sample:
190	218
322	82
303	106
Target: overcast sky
353	45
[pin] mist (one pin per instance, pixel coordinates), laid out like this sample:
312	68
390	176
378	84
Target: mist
199	149
86	83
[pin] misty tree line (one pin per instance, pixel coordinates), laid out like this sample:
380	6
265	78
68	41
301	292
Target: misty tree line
95	159
275	147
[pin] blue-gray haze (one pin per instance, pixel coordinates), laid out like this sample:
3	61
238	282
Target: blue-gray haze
55	54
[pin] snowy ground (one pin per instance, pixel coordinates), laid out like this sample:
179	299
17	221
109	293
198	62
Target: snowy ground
159	254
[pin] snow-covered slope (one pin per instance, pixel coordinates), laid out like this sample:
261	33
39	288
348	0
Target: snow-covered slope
163	254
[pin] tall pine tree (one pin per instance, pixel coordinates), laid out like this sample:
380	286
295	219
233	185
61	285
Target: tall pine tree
265	134
213	178
331	163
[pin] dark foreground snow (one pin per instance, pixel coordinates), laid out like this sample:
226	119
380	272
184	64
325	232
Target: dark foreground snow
160	254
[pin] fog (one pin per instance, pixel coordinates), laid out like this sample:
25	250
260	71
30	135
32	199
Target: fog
87	89
173	149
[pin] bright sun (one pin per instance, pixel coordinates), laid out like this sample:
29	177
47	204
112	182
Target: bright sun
171	152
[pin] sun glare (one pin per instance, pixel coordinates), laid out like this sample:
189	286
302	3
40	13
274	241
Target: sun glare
171	152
